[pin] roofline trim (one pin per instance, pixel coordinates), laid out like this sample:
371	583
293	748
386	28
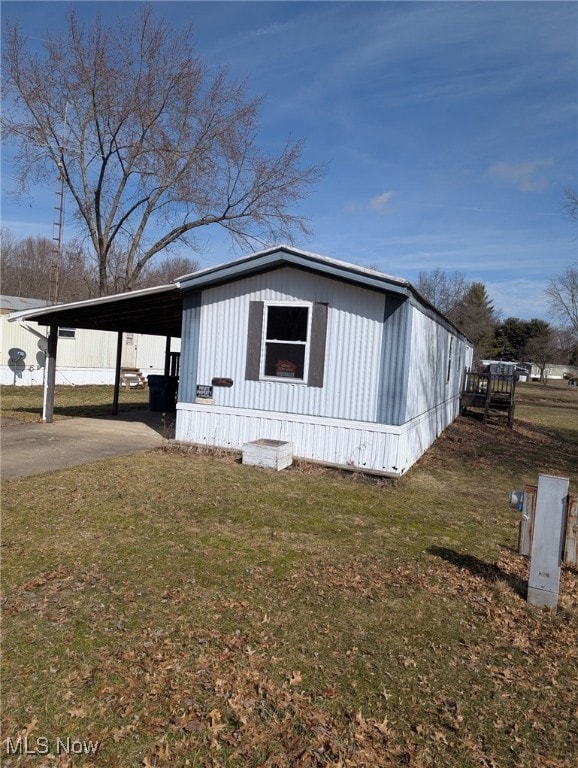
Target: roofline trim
51	308
271	257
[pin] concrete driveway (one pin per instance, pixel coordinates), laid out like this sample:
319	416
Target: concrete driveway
31	449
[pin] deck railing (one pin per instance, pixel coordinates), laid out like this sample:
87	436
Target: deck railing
482	383
490	391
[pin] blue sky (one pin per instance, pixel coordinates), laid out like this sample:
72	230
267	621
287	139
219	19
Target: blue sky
448	130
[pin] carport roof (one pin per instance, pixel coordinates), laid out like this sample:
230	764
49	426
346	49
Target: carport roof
156	311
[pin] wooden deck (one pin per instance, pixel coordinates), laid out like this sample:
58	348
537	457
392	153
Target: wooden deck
489	392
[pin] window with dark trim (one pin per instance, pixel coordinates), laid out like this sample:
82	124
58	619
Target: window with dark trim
286	342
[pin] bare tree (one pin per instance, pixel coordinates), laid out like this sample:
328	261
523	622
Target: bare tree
444	291
541	345
566	340
25	266
153	148
25	269
168	270
562	294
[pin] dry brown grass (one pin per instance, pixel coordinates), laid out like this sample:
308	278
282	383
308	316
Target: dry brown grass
24	404
184	610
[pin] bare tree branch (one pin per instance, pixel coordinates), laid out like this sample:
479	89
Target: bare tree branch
155	147
562	294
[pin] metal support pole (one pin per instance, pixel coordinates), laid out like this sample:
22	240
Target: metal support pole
116	394
168	356
50	376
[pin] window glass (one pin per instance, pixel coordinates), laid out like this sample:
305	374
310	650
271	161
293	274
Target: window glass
66	333
286	340
285	361
287	323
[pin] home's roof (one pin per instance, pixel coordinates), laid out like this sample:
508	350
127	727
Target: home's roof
156	311
20	303
283	256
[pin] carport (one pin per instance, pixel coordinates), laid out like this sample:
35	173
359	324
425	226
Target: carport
154	311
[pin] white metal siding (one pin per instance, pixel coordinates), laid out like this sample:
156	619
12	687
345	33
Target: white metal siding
150	352
338	423
354	331
422	431
388	450
88	358
89	349
428	386
346	443
13	335
33	375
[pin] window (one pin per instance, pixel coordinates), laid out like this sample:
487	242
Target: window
286	336
66	333
286	342
450	353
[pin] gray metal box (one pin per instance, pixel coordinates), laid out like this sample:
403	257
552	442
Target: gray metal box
548	541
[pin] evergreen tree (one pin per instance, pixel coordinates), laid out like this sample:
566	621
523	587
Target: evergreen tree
476	317
511	338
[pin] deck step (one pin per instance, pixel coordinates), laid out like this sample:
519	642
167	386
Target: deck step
132	378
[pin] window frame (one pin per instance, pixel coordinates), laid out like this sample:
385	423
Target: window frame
66	332
450	360
307	343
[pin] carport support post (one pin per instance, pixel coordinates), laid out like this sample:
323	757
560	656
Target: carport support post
50	376
167	356
117	374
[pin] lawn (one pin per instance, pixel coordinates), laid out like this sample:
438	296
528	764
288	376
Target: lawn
181	609
24	404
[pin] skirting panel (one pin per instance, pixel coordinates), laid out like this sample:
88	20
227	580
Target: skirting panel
364	446
77	377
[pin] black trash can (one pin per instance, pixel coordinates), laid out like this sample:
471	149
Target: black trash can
162	393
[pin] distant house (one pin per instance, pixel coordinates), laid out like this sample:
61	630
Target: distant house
85	356
557	371
351	366
527	370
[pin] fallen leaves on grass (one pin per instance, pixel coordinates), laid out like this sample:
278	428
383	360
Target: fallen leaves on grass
526	446
202	692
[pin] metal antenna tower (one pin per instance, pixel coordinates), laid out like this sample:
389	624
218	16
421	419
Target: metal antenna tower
56	253
57	224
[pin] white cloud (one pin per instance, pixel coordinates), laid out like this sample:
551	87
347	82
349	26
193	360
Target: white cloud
377	204
381	202
271	29
522	175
